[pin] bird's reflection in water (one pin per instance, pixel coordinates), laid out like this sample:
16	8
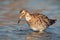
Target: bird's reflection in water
41	36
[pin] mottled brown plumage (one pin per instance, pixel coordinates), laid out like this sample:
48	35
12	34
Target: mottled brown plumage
38	22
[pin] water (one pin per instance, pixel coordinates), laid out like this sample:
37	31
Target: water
10	30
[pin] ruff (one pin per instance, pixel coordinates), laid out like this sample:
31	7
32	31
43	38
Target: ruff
38	22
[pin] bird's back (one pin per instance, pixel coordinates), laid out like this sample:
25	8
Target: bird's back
44	19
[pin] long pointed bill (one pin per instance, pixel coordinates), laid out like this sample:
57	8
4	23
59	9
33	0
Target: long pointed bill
19	21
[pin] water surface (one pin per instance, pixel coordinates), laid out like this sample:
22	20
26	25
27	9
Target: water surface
10	30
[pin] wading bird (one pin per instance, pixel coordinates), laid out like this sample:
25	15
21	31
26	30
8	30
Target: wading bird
36	21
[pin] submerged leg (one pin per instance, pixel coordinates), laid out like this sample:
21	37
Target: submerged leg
36	31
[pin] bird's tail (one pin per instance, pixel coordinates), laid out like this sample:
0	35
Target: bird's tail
52	21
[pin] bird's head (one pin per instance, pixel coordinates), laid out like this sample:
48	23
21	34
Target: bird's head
22	14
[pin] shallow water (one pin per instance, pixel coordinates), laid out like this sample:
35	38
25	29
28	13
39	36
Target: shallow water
10	30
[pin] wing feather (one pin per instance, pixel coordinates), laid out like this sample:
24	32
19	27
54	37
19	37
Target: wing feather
42	18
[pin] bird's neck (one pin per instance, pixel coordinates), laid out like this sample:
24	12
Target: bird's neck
28	16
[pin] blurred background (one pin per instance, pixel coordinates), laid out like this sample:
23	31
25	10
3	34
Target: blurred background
10	30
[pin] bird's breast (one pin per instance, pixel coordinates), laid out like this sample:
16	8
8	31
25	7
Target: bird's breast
27	18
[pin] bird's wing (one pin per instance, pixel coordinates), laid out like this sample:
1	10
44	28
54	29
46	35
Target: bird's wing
42	18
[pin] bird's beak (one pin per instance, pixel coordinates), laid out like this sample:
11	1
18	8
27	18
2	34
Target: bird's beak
19	21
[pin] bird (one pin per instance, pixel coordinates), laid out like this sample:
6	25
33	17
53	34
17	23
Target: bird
36	21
